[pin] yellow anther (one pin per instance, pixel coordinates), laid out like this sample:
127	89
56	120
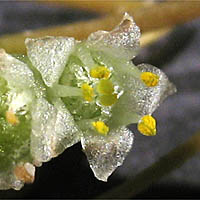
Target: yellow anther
149	79
12	118
101	127
88	92
147	125
105	87
108	100
100	72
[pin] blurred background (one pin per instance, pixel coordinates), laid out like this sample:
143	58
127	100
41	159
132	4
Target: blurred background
177	53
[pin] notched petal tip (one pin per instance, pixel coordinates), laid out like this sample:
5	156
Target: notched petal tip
122	41
127	24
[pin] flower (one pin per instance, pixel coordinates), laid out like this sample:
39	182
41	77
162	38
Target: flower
86	91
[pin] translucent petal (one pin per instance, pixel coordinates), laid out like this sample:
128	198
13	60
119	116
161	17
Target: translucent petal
49	55
83	53
53	130
65	128
120	66
122	41
149	98
15	72
139	99
105	154
125	107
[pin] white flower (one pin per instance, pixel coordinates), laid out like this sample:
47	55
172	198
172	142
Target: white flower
89	91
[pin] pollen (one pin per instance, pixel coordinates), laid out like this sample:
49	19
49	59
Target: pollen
147	125
12	118
101	127
105	87
100	72
88	92
149	79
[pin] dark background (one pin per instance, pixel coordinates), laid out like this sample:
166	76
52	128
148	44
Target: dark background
178	54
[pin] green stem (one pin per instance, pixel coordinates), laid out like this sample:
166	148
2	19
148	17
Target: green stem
173	160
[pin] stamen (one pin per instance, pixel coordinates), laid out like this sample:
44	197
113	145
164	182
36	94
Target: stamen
108	100
101	127
147	125
105	87
149	79
100	72
88	92
12	118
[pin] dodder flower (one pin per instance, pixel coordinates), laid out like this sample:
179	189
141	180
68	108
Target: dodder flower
85	91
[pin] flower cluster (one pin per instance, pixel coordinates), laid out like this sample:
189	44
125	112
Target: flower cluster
65	91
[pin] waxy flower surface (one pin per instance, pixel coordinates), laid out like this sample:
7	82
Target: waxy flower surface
65	91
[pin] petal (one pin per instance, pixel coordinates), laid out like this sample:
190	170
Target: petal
83	53
138	99
65	128
105	154
53	130
49	55
17	73
122	41
149	98
124	112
